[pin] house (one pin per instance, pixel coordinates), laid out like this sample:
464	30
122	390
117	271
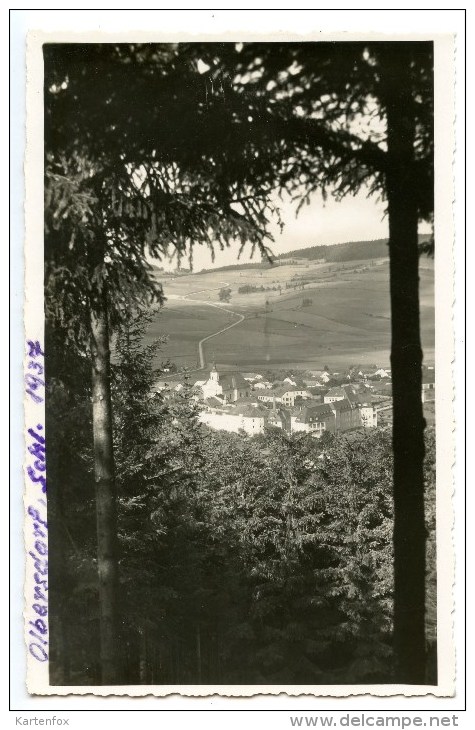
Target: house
347	416
289	395
262	385
268	397
357	398
428	379
351	395
214	401
334	394
385	388
368	415
286	395
334	417
293	381
428	385
231	386
252	377
312	383
315	394
252	400
313	419
276	419
170	385
315	374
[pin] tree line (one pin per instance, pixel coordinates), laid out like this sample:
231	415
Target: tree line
251	288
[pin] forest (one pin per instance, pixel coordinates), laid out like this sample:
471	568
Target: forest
179	555
243	560
351	251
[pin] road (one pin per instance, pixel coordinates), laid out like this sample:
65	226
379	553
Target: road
240	318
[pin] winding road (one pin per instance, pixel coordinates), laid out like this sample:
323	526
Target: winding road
209	304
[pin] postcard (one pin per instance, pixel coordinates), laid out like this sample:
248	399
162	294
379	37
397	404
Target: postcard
238	365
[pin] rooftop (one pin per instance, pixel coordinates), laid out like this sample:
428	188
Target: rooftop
281	390
232	381
335	391
315	413
251	411
341	405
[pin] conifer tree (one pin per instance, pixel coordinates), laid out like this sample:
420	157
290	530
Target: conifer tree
131	167
353	116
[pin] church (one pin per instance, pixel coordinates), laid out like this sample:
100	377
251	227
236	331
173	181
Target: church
228	386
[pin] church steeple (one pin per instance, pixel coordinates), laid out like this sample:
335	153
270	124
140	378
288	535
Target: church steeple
213	375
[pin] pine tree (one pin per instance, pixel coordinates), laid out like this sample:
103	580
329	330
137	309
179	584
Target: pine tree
117	185
352	116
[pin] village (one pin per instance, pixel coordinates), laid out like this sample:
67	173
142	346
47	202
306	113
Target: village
313	402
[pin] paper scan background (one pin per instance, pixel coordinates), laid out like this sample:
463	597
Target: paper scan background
217	21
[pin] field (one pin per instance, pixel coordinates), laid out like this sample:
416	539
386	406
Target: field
309	315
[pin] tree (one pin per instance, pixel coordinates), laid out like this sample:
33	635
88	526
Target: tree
156	454
117	184
315	98
225	294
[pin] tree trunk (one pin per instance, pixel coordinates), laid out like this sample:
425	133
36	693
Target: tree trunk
60	581
406	361
198	653
105	493
143	674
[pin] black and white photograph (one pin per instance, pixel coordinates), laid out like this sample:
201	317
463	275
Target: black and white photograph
238	396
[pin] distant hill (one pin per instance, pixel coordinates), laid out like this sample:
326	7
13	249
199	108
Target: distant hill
238	267
351	251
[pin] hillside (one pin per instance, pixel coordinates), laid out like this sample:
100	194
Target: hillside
350	251
299	314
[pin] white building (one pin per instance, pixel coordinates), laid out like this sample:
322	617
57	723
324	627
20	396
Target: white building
334	395
369	415
249	419
262	385
286	395
313	419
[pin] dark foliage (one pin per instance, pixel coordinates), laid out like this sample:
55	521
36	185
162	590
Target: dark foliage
243	560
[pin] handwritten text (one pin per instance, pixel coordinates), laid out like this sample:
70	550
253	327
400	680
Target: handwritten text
38	602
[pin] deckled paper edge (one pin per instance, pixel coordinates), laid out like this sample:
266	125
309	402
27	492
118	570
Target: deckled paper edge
33	498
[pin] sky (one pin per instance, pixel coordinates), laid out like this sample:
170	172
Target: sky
355	218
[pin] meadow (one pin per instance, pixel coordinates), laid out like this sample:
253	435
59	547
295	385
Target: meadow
334	314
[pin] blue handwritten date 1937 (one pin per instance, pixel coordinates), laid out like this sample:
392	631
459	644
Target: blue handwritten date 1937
34	378
38	601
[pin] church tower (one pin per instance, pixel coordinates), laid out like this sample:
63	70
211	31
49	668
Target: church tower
213	376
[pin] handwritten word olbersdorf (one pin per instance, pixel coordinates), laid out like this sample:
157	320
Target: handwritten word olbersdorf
38	602
36	526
